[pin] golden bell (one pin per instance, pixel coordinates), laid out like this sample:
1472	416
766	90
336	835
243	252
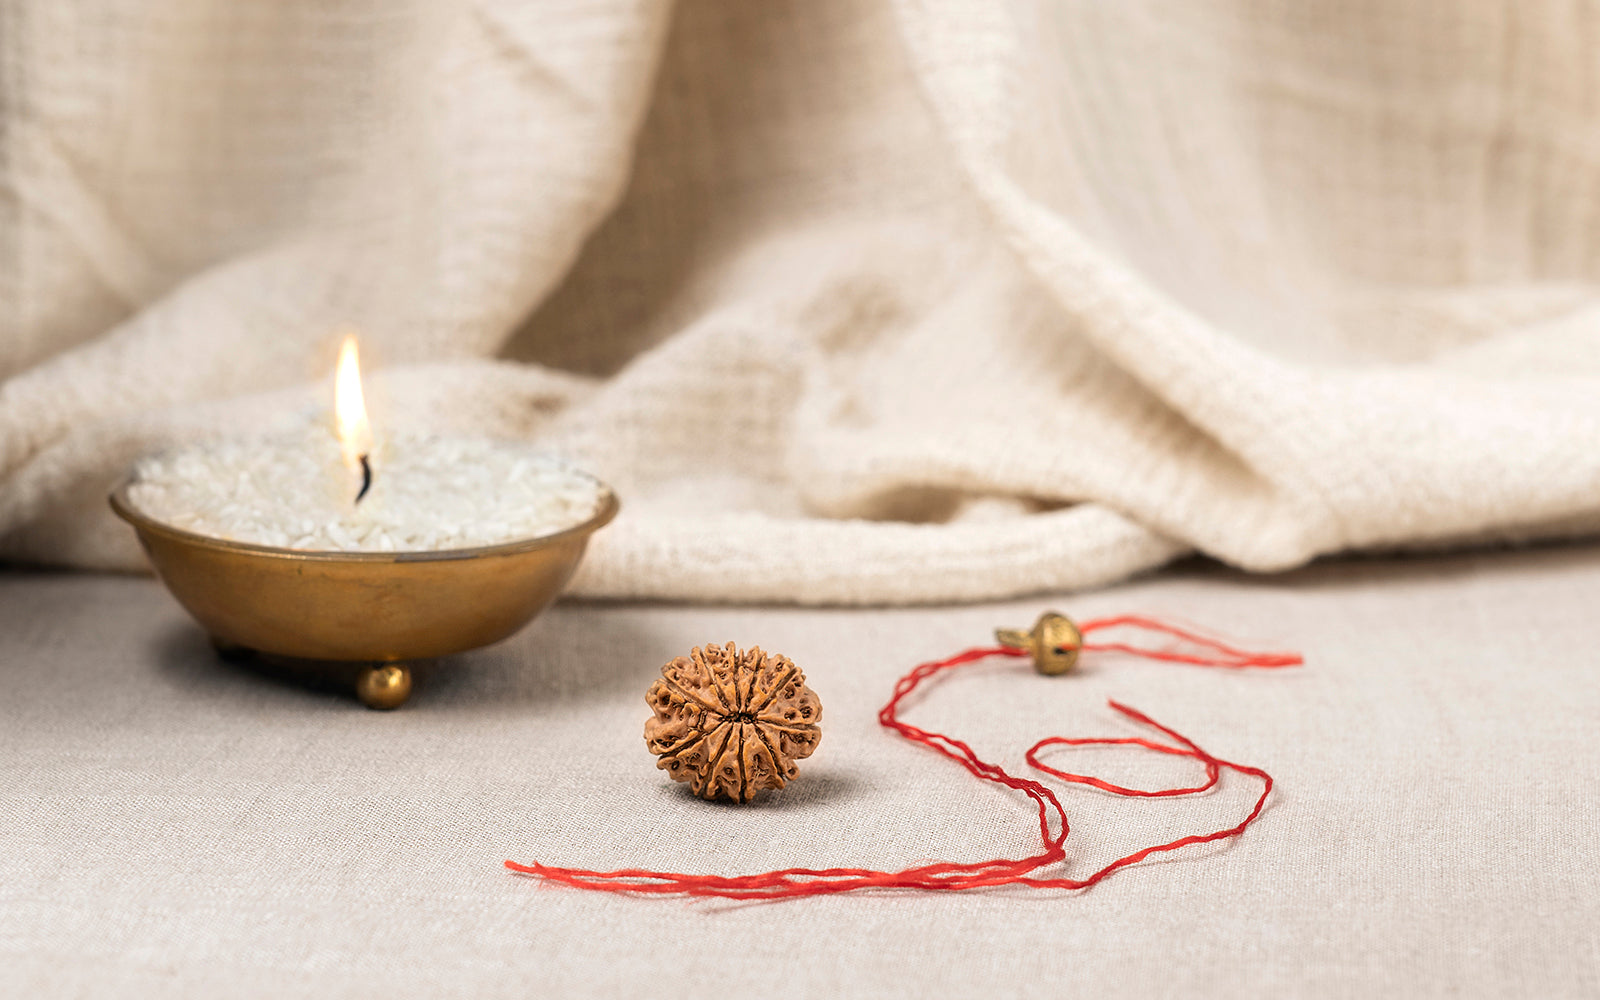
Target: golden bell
1054	642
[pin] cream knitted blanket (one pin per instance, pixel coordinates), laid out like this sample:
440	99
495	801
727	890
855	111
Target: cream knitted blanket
852	301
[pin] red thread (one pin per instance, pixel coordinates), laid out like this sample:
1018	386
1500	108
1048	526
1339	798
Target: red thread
1053	826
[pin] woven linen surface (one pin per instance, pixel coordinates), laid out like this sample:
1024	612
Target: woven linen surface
854	302
171	825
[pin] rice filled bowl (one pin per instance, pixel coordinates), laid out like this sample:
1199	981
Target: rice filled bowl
250	560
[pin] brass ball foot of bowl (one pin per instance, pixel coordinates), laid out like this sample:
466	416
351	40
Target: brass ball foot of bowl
384	686
363	613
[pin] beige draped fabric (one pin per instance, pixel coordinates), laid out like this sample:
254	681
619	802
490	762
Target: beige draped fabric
852	301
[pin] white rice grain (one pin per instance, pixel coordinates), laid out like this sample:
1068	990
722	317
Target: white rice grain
428	493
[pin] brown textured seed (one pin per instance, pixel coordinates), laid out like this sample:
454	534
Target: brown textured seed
732	723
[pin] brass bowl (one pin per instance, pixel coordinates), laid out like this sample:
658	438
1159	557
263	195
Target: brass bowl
371	610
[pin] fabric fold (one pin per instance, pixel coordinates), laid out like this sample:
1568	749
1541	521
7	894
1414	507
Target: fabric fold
853	301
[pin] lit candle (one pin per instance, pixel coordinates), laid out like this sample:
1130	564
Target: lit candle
350	414
309	486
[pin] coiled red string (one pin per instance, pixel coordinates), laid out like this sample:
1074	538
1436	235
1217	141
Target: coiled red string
1199	650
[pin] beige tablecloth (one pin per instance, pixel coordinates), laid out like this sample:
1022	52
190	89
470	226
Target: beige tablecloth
171	825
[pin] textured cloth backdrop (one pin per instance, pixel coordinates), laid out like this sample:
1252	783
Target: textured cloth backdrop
852	301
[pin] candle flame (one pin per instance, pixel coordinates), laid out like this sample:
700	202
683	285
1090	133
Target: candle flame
350	409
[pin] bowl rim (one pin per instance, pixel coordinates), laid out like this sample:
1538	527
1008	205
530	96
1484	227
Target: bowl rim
144	523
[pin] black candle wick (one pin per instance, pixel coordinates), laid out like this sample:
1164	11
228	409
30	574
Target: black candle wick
366	478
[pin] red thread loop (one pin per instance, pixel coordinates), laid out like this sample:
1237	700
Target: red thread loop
1053	826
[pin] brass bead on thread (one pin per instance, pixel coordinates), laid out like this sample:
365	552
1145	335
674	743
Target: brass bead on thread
1054	642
